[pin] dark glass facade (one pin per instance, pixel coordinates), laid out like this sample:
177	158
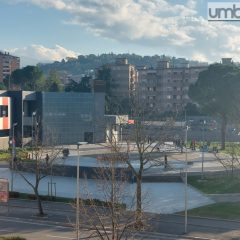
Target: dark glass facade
67	118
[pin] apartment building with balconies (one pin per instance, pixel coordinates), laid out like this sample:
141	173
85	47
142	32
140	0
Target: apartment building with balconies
124	78
165	88
8	64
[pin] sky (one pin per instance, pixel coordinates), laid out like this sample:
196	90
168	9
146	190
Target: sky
50	30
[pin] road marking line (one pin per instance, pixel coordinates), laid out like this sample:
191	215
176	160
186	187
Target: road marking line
53	236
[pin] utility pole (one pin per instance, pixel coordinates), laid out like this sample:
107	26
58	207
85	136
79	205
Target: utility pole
203	148
33	114
78	192
13	153
186	177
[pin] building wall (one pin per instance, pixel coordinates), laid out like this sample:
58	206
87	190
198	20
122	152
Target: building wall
8	64
5	121
124	78
68	118
17	116
166	88
62	118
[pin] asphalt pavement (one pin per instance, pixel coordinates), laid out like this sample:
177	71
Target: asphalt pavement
21	219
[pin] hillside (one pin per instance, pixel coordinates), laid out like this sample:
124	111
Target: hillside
83	64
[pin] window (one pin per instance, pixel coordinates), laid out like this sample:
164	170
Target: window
151	105
169	105
3	111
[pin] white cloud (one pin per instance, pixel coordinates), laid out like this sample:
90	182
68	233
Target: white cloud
199	57
161	23
37	53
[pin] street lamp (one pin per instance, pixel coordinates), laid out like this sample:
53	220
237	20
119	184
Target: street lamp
77	192
204	122
186	181
13	152
33	114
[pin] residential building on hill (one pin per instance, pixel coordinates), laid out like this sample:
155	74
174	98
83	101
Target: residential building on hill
8	64
227	61
165	89
124	78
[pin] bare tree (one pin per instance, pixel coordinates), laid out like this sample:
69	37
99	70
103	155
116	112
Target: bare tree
141	142
41	163
109	219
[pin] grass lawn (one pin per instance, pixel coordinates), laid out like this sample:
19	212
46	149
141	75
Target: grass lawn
4	156
229	211
216	184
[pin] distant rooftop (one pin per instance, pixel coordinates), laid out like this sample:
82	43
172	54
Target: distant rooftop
7	54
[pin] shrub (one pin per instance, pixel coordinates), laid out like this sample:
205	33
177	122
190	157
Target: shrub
14	194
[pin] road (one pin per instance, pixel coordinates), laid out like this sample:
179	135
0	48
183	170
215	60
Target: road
39	230
59	224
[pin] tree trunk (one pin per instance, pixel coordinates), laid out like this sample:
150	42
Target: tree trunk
223	131
138	218
39	202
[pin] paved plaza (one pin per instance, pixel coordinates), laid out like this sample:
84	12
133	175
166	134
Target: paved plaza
159	197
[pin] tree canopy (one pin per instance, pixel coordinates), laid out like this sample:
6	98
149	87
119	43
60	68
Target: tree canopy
31	78
217	93
27	78
52	83
83	86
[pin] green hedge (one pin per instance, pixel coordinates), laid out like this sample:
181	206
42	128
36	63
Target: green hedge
96	202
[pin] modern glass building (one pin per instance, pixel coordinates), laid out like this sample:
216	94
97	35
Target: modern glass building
72	117
59	117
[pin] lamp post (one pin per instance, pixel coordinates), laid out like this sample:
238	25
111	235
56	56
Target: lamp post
121	133
77	192
13	153
204	122
186	182
33	114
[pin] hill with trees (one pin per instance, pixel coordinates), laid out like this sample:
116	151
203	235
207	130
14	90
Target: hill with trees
85	63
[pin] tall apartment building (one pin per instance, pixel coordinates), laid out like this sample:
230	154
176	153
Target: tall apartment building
8	64
124	78
165	88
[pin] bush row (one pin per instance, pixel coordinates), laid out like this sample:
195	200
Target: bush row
89	202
